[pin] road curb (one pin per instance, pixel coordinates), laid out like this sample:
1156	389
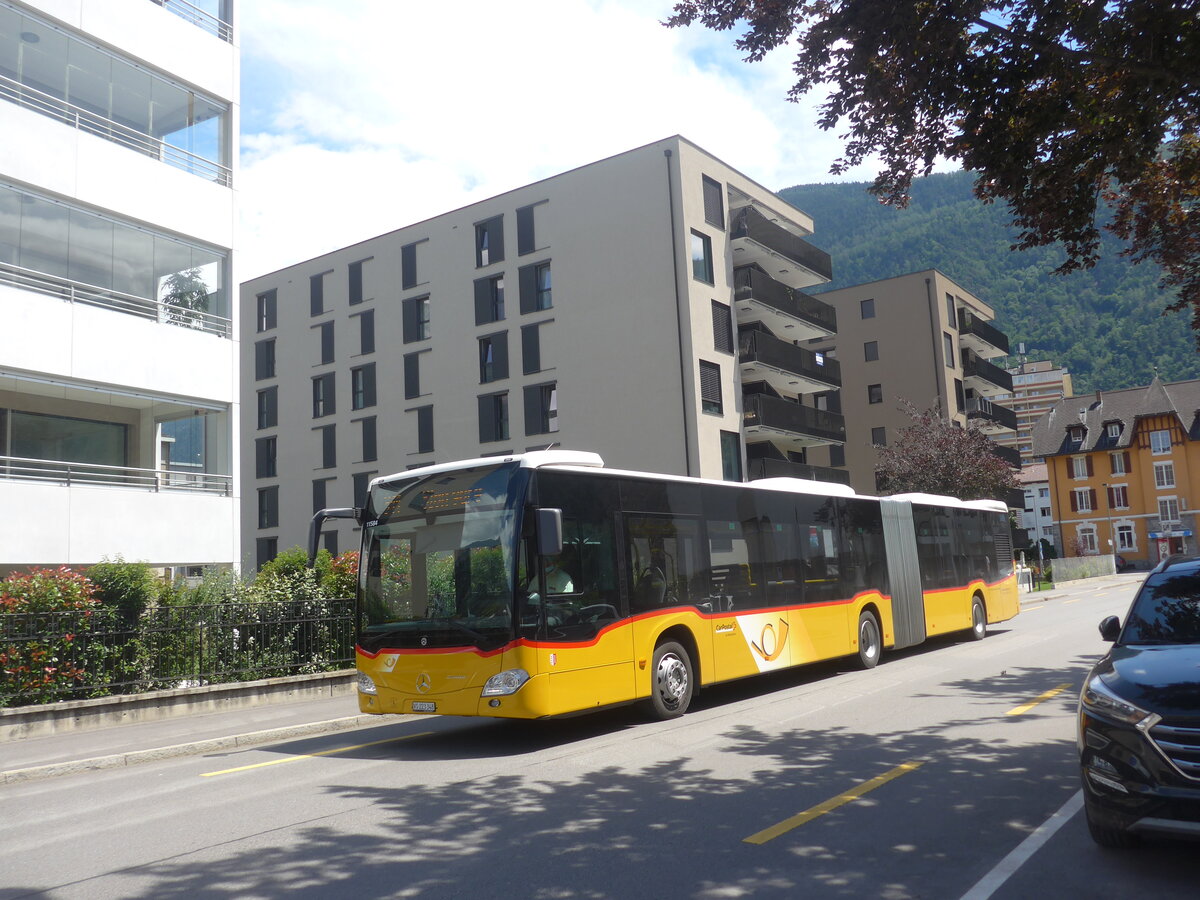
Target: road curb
191	748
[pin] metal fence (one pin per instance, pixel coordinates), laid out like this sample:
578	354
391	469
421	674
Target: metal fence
98	652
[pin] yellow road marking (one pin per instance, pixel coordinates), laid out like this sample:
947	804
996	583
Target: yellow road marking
1040	698
288	759
832	803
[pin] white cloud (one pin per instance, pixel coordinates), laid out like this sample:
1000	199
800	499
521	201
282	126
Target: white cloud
363	117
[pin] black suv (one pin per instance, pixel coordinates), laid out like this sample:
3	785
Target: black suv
1139	714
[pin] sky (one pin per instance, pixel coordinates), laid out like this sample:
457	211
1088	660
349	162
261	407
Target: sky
361	116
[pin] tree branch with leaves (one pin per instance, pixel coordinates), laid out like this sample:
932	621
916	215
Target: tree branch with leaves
1079	114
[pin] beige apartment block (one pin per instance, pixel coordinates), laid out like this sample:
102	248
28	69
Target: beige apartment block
920	338
647	307
1037	387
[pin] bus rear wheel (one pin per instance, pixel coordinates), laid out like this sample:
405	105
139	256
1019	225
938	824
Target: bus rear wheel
870	644
671	692
978	619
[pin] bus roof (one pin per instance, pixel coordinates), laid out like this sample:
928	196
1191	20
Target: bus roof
587	461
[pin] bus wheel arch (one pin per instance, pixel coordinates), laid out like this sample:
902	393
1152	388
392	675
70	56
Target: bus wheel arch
674	673
869	638
978	617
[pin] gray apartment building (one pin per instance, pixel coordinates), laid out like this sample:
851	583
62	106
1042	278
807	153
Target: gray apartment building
921	338
649	307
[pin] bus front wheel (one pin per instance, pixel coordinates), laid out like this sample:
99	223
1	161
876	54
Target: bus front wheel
671	693
978	619
870	644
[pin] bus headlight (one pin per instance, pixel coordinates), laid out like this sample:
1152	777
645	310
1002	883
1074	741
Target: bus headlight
507	682
366	685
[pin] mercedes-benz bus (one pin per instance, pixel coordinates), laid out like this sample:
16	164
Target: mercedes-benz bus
545	584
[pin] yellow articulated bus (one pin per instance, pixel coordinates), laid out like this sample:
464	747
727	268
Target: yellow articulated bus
544	584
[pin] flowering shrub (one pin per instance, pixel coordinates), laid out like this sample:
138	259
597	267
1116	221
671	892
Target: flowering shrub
45	652
342	577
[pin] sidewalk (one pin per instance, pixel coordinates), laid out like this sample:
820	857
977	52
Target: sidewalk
69	750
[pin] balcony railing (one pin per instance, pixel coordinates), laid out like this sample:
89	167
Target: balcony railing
748	223
81	119
990	417
199	17
15	468
994	380
78	292
752	285
811	426
812	371
970	325
1010	455
779	468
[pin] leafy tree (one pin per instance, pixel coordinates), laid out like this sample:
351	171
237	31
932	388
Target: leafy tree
186	297
1060	107
934	456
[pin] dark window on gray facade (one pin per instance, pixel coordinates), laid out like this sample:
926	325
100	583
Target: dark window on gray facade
323	398
879	437
948	349
355	273
493	417
710	388
320	493
362	482
874	393
866	309
264	457
268	407
731	456
531	349
536	287
493	357
489	299
265	550
425	429
415	312
370	450
722	319
412	375
408	266
541	409
264	359
702	258
316	294
489	241
329	541
362	386
268	507
870	351
366	332
267	304
526	234
714	204
328	446
326	334
837	455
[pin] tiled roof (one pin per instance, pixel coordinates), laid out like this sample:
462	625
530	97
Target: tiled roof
1095	411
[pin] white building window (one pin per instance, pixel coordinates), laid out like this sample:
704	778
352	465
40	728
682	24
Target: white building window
1079	467
1087	539
1160	441
1118	463
1083	500
1168	509
1126	537
1164	475
1118	496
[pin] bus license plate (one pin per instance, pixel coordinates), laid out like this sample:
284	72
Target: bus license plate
424	706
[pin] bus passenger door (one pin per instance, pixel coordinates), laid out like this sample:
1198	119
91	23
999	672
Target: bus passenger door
904	573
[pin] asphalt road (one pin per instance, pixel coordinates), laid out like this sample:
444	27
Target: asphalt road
947	772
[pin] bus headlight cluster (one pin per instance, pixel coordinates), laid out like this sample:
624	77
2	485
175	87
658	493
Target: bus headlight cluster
365	684
507	682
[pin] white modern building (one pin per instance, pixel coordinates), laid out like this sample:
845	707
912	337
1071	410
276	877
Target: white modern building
649	307
1037	517
118	364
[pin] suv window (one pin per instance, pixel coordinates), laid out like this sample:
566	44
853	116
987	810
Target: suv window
1167	610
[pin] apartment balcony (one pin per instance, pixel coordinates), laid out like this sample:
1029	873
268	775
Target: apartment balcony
981	337
760	298
75	473
989	417
984	377
786	367
787	256
789	425
210	15
757	469
1010	455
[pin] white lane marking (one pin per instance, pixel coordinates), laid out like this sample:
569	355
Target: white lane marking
1005	869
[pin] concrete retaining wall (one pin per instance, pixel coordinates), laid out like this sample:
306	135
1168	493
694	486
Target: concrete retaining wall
1074	568
80	715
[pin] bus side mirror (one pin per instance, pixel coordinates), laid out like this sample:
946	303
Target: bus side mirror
1110	628
318	519
549	531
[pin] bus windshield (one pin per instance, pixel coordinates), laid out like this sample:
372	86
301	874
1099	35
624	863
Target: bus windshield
440	555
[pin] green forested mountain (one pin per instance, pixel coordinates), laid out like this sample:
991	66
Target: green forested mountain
1105	324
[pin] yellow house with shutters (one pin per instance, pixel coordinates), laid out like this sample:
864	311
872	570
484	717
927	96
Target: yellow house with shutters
1124	471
